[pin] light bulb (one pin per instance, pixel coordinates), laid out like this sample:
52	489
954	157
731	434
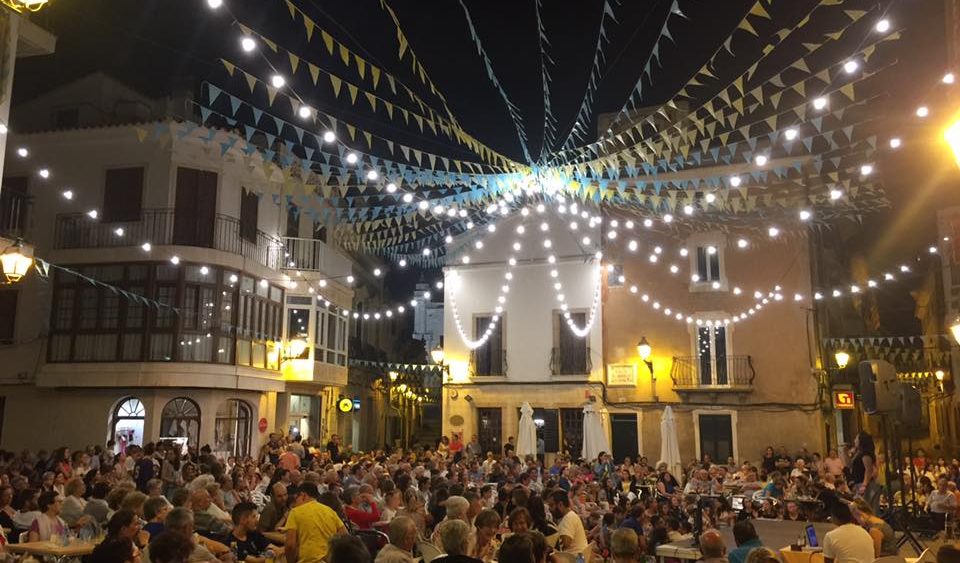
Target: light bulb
350	279
67	194
329	137
4	129
277	81
585	241
866	169
146	247
93	214
819	103
668	218
22	152
710	198
424	205
688	209
805	215
478	245
760	160
684	252
214	4
305	112
176	260
773	232
674	268
882	26
248	44
118	231
391	188
735	181
426	252
895	143
372	175
835	194
790	134
923	111
352	158
377	272
742	243
851	66
632	245
949	78
407	198
648	223
44	173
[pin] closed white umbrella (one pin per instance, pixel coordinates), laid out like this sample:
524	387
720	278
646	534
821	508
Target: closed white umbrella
594	438
527	436
669	444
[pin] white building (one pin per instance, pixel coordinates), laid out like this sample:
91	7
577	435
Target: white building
249	351
531	353
427	317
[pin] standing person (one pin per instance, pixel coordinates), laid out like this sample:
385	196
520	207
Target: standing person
310	526
541	449
572	538
473	448
848	542
863	470
833	464
333	448
941	501
456	447
509	447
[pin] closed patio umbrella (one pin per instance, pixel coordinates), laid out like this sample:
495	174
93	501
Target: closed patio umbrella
594	437
527	435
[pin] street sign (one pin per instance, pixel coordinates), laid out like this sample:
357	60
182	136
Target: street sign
622	375
844	400
345	405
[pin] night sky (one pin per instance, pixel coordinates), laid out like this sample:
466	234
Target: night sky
155	45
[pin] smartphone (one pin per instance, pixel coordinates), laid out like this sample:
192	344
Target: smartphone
812	536
736	503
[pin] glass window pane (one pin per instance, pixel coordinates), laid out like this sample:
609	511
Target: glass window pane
167	272
224	350
715	266
164	316
60	348
88	308
704	355
132	344
109	310
161	347
226	312
298	328
134	311
702	264
720	342
136	273
63	310
207	307
243	352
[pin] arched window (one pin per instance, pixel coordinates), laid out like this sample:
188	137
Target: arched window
181	419
126	423
232	432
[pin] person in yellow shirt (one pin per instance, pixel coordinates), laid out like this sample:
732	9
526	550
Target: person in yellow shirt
310	525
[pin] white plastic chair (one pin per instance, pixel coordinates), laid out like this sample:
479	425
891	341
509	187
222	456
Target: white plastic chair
428	551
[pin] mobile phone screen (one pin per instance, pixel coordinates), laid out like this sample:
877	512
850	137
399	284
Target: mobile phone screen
812	536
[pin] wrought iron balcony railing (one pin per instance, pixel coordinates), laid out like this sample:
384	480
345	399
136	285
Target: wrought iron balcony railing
695	373
311	255
484	361
574	360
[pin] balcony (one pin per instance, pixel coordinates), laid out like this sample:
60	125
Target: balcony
574	360
485	362
13	213
310	255
730	374
157	226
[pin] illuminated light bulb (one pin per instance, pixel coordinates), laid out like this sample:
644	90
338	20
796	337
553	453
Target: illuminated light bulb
372	175
882	26
688	209
438	210
895	143
214	4
835	194
674	268
147	247
888	277
389	313
949	78
904	268
4	129
871	283
352	158
22	152
44	173
735	181
561	209
426	252
923	111
611	235
633	289
524	212
413	303
585	241
805	215
866	169
742	243
407	198
544	227
478	245
644	298
837	293
350	279
711	250
684	252
118	231
668	218
757	295
932	250
648	223
653	258
715	285
854	289
557	286
248	44
547	243
508	276
761	160
773	232
656	305
465	259
554	273
851	66
462	213
67	194
628	224
278	81
323	283
737	291
424	205
174	260
632	245
448	239
819	103
329	137
93	214
710	198
504	211
400	309
391	187
573	225
541	208
818	296
305	112
657	250
611	268
790	134
377	272
552	259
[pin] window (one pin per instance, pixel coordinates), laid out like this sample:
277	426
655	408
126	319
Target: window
249	212
711	354
126	423
232	428
123	195
490	423
14	204
489	359
293	220
195	207
181	419
716	436
66	118
571	423
708	263
548	427
331	338
8	314
298	328
570	353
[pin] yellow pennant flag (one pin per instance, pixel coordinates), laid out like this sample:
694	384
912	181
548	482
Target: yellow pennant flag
292	9
745	25
294	62
327	40
372	99
269	43
374	75
419	121
141	134
847	90
758	10
251	80
314	72
389	107
361	66
229	66
308	26
344	54
271	93
369	138
353	132
353	93
336	82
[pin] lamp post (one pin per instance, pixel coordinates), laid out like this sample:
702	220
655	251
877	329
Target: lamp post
644	350
16	262
842	358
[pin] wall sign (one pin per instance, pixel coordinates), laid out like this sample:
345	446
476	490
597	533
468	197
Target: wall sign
844	400
345	405
622	375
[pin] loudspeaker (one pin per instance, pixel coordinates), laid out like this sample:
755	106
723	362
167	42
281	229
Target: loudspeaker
909	415
878	387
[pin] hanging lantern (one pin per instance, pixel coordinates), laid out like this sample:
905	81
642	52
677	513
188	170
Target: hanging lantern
16	263
25	5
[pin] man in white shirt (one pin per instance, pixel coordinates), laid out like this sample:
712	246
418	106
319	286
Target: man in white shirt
572	538
941	501
848	542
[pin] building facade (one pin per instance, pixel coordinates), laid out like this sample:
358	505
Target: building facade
197	303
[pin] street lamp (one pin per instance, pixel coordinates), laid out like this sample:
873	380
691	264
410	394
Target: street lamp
16	263
842	359
437	354
394	375
955	329
644	350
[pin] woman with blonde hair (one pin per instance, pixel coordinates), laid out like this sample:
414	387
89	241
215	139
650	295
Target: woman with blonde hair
884	540
763	555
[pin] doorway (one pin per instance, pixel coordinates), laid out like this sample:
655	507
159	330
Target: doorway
623	429
489	429
716	436
195	209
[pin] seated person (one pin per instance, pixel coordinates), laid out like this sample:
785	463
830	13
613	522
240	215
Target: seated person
245	541
206	515
745	535
712	547
48	523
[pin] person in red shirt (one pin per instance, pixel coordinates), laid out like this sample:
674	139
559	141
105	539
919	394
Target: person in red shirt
456	447
364	519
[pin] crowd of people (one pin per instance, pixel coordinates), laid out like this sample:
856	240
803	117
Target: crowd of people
303	502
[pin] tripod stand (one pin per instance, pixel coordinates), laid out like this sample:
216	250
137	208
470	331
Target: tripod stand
894	465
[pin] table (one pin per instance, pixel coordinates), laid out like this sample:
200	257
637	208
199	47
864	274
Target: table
805	555
55	550
678	550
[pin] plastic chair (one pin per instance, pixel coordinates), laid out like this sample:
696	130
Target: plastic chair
929	555
428	551
817	557
374	540
24	537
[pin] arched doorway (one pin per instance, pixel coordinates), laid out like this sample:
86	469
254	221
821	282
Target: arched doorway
126	423
181	419
233	428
